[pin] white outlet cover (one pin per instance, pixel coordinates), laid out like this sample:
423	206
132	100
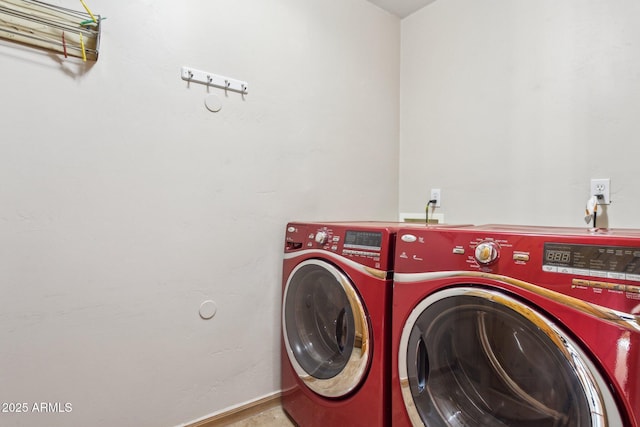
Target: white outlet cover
437	195
601	186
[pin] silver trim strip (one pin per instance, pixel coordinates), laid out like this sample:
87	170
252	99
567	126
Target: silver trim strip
373	272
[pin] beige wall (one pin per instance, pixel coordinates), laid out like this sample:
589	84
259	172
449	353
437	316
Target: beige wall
511	107
124	203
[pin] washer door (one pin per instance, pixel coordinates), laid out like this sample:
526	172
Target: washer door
325	329
473	357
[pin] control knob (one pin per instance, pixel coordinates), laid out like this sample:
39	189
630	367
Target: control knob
486	252
321	237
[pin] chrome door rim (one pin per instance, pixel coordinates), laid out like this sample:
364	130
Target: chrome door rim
355	369
600	400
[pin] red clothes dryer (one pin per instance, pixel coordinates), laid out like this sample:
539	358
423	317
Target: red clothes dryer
336	318
516	326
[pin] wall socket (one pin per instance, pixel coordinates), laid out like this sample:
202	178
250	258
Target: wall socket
435	195
601	187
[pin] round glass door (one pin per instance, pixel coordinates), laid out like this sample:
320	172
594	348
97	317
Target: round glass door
473	357
325	329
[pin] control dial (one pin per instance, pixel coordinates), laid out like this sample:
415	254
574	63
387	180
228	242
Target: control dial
486	252
321	237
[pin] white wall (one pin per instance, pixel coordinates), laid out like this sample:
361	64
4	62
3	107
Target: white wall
124	203
511	107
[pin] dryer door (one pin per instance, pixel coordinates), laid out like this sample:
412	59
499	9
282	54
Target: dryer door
474	357
325	329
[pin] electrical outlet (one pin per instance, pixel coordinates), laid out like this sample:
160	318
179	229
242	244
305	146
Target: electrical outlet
601	187
435	195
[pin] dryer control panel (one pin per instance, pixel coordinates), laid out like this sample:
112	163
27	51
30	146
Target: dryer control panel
368	243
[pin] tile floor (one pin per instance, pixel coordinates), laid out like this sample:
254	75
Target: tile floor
274	417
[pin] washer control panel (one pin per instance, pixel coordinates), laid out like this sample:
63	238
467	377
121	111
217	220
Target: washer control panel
597	266
603	261
600	263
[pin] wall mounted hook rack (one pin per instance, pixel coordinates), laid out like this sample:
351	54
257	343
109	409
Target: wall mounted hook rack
204	77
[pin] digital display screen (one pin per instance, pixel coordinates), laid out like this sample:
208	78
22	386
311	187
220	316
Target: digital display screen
363	240
557	256
620	259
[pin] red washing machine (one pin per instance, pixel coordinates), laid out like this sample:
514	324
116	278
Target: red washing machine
336	319
516	326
